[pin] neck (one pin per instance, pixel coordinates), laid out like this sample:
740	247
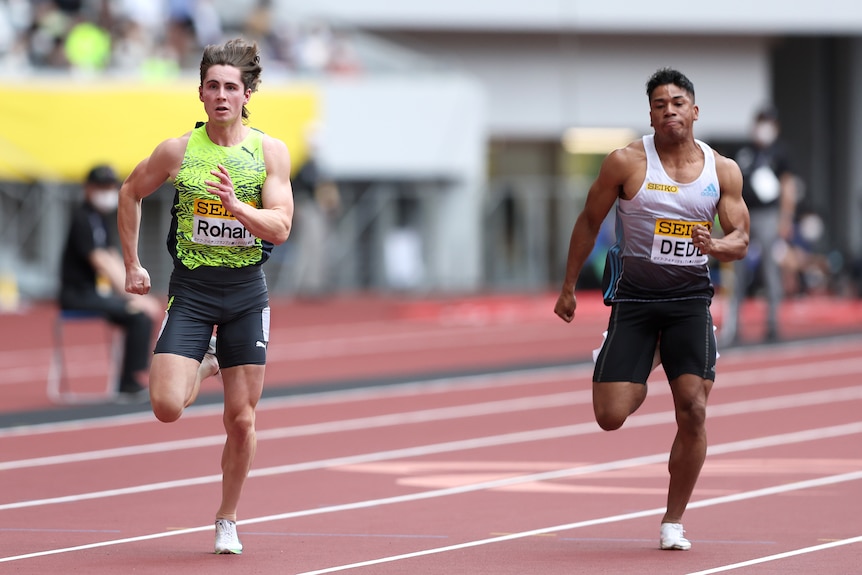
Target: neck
226	134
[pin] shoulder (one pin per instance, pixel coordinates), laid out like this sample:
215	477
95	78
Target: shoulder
275	151
172	147
163	163
728	172
273	144
629	157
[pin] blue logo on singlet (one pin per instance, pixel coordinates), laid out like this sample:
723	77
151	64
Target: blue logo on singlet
710	191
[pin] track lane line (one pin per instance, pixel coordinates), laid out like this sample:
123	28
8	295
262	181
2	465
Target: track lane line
424	416
732	376
738	446
659	418
765	376
777	556
796	486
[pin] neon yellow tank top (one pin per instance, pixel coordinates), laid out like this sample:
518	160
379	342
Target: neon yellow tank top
203	233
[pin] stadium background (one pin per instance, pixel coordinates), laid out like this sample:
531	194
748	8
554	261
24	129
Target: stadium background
460	136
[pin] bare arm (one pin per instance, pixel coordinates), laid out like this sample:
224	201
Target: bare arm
145	179
108	263
273	222
615	170
732	216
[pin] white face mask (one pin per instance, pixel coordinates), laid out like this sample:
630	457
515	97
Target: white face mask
105	201
765	133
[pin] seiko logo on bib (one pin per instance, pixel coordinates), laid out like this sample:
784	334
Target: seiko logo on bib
215	226
672	243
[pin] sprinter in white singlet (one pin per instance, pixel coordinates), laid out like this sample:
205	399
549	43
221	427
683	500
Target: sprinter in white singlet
668	188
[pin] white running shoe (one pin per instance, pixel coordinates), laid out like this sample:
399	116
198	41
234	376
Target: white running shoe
212	347
226	540
672	537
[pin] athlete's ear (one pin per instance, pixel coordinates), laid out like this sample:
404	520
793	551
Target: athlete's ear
201	93
696	112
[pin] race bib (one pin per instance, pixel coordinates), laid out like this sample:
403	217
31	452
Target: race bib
215	226
672	243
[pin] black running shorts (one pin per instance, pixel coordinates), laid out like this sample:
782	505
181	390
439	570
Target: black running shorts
682	329
237	305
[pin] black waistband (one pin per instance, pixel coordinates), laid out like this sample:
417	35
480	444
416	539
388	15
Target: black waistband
214	273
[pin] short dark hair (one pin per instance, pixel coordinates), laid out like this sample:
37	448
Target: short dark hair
767	114
665	76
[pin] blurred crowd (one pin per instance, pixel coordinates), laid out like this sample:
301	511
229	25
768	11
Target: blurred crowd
157	37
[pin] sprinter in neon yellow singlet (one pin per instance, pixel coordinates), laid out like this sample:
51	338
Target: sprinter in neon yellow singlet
233	203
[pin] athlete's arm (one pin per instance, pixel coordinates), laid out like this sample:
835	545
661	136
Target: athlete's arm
274	221
145	179
616	169
732	216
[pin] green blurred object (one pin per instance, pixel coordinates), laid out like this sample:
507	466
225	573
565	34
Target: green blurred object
88	46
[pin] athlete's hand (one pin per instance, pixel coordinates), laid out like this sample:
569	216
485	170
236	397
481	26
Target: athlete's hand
701	238
566	304
223	188
137	280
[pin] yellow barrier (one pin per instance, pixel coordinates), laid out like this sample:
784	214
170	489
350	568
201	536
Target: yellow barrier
57	129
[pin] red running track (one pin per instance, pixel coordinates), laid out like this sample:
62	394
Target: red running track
498	473
371	338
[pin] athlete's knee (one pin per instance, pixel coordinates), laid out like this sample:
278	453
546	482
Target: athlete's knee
614	402
240	425
691	415
609	419
165	408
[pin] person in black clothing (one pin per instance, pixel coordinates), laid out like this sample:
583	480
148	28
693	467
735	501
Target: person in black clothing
93	279
769	191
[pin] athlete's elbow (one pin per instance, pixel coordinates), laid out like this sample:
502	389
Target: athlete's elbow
281	235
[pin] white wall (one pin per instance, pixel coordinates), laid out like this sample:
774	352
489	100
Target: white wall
430	128
408	127
614	16
539	85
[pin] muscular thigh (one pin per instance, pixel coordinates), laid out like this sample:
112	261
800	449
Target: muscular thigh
239	311
629	348
244	338
186	329
687	340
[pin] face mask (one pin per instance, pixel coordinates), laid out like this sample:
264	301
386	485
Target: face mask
765	133
105	201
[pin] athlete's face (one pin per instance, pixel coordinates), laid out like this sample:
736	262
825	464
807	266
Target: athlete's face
223	94
672	111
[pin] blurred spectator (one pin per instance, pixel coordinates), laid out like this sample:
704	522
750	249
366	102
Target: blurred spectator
315	47
769	191
158	38
93	278
46	35
806	269
317	206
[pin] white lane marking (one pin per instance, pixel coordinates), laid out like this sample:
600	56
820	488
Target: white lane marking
537	376
644	460
429	415
777	556
600	521
734	376
339	426
476	443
